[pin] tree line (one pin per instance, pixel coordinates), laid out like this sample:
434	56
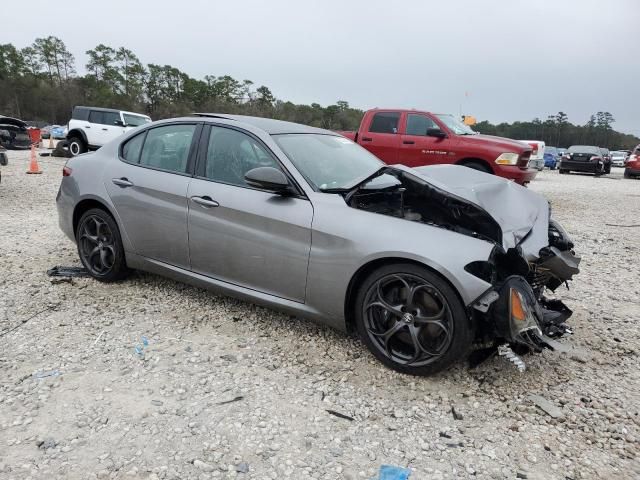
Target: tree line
40	83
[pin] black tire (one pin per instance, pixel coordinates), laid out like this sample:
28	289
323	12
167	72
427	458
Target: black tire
477	166
627	174
398	341
100	246
563	171
76	146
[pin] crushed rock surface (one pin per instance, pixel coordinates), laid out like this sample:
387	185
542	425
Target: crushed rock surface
225	389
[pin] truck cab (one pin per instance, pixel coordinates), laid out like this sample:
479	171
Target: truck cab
417	138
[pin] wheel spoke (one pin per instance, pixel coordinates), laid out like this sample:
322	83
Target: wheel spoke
419	349
424	319
386	305
388	308
386	336
104	259
407	286
91	238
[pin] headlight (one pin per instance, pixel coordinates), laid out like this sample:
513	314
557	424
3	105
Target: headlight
507	158
522	318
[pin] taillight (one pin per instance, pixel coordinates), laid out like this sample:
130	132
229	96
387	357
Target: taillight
535	148
66	171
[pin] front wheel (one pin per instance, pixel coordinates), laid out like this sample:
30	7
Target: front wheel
76	146
412	320
100	246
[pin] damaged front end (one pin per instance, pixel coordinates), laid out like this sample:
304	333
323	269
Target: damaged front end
532	253
516	313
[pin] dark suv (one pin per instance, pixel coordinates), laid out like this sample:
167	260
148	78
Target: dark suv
584	158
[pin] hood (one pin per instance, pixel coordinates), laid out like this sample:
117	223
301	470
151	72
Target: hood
522	214
506	144
12	122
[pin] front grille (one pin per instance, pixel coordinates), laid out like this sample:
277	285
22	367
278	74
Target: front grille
538	278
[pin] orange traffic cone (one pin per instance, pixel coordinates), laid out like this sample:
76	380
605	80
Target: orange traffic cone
33	164
51	147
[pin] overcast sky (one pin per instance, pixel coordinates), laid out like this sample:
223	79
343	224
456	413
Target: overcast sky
516	59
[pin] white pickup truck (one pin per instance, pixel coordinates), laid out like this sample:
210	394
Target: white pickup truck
537	155
92	127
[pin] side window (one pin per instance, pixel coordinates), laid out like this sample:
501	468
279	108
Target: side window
167	147
96	116
385	122
419	124
132	148
110	118
231	154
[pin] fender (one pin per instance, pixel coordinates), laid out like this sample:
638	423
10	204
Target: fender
76	132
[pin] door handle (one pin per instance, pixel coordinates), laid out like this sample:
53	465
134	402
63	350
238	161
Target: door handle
105	129
205	201
122	182
87	126
409	142
366	139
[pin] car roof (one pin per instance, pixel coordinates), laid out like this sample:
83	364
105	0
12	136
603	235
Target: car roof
269	125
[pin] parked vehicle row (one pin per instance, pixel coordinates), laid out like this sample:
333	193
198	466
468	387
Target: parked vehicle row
537	154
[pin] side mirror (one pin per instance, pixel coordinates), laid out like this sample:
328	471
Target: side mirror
436	132
268	178
120	123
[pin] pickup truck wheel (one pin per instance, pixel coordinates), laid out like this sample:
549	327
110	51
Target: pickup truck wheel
76	146
412	320
477	166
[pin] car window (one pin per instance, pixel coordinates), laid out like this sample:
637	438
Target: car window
231	154
385	122
132	148
419	124
167	147
135	120
95	116
110	118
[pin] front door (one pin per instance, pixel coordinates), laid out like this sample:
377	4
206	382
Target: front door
242	235
148	188
417	149
383	138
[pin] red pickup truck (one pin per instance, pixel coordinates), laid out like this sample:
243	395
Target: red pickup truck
415	138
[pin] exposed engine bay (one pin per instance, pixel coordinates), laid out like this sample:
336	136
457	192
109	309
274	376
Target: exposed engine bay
514	315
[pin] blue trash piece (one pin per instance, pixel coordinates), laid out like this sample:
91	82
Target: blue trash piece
145	341
139	351
389	472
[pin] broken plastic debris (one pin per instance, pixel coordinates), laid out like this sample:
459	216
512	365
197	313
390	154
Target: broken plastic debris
50	373
59	271
505	351
390	472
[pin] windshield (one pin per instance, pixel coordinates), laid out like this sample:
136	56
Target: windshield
618	154
551	150
327	161
135	120
584	149
455	125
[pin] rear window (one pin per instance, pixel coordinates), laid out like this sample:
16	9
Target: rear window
385	122
132	147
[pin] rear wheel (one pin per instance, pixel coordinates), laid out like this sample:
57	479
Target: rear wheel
100	246
477	166
77	146
412	320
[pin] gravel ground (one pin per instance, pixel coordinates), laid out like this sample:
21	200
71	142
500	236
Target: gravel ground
224	389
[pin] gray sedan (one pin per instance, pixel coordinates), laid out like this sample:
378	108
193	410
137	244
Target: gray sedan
424	264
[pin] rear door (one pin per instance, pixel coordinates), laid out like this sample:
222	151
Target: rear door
418	149
148	188
243	235
382	136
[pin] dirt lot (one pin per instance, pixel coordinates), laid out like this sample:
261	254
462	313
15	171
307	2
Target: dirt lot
225	389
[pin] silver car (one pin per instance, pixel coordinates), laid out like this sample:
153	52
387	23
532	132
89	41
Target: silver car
425	264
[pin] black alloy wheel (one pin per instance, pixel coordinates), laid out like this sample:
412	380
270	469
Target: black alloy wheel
100	246
412	320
